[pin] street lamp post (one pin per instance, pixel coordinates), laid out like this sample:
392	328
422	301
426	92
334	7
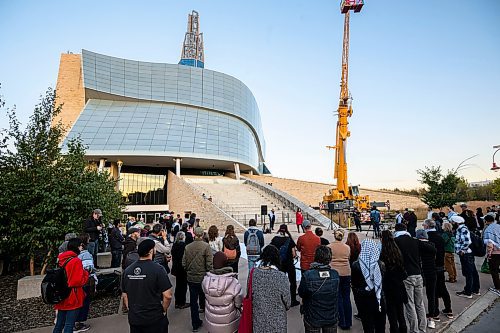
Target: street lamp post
495	167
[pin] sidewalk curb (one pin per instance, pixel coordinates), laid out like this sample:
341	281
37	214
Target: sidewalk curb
469	313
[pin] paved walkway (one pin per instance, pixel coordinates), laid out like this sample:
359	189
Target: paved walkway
180	319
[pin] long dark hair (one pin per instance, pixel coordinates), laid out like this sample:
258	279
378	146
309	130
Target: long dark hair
284	231
270	256
390	254
353	242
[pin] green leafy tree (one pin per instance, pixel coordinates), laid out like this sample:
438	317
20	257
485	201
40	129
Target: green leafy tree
496	188
46	192
441	190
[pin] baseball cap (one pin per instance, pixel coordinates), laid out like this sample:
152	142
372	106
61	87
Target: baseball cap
145	246
98	211
457	219
306	223
132	230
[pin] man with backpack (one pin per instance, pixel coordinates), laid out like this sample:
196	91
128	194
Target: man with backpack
254	242
463	242
63	287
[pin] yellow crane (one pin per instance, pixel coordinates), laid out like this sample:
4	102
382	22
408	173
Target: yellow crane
343	195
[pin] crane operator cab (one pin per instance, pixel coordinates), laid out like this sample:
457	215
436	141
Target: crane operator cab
347	5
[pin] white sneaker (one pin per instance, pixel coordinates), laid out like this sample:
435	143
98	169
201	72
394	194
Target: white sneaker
495	291
431	323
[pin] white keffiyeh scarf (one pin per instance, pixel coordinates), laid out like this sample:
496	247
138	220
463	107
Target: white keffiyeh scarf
368	260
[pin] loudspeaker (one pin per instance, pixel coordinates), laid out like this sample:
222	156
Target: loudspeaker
263	210
331	207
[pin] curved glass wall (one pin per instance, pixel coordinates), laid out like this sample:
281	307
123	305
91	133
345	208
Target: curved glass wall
175	84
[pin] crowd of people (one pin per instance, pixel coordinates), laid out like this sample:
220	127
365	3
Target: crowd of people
388	278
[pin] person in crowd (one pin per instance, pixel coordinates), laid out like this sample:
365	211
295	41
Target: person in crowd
479	218
178	271
451	212
319	292
414	283
355	246
130	243
462	248
340	262
375	220
393	283
449	252
223	297
132	256
192	220
286	247
176	226
231	247
319	232
429	213
162	253
356	215
93	227
130	223
271	294
299	218
438	221
214	240
367	276
412	222
197	261
399	217
77	277
187	233
470	220
64	246
116	243
147	292
272	219
145	230
254	243
441	291
307	244
88	265
463	207
491	238
428	263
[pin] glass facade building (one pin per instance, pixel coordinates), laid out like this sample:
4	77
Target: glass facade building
147	110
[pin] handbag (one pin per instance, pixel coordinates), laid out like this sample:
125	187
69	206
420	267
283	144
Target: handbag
246	325
485	267
230	254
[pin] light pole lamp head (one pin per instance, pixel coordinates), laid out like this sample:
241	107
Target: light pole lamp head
495	167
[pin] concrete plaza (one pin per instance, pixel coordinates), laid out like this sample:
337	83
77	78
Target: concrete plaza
180	319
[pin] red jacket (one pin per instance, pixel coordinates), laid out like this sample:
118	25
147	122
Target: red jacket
307	244
299	218
77	278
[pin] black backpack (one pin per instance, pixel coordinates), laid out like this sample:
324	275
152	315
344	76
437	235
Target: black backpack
55	284
477	245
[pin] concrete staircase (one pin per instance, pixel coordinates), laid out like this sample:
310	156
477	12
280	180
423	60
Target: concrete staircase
239	200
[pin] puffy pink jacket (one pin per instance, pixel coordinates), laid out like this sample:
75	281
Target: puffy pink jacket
223	301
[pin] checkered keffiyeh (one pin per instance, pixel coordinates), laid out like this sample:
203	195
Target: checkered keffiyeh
368	260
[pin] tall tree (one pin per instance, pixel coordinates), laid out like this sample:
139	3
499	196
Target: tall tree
46	192
441	190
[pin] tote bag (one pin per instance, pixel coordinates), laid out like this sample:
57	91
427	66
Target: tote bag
246	325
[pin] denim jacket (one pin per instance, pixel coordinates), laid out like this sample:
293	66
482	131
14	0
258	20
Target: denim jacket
319	288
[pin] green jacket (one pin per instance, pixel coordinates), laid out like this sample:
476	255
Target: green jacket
449	242
197	260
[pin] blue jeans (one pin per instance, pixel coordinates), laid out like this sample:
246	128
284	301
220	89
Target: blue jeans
469	271
345	308
93	248
252	262
195	294
65	319
84	310
116	258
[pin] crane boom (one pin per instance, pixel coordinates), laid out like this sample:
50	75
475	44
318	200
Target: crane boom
343	192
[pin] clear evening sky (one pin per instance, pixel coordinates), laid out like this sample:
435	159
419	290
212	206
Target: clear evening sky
424	75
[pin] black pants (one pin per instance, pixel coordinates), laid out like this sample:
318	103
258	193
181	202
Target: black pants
159	326
372	319
271	224
196	294
395	313
292	278
234	265
358	225
442	292
494	263
430	292
180	288
116	258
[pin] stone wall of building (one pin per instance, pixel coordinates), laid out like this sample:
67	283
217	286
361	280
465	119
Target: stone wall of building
70	92
183	198
312	193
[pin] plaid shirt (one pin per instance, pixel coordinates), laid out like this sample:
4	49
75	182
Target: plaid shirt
462	240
